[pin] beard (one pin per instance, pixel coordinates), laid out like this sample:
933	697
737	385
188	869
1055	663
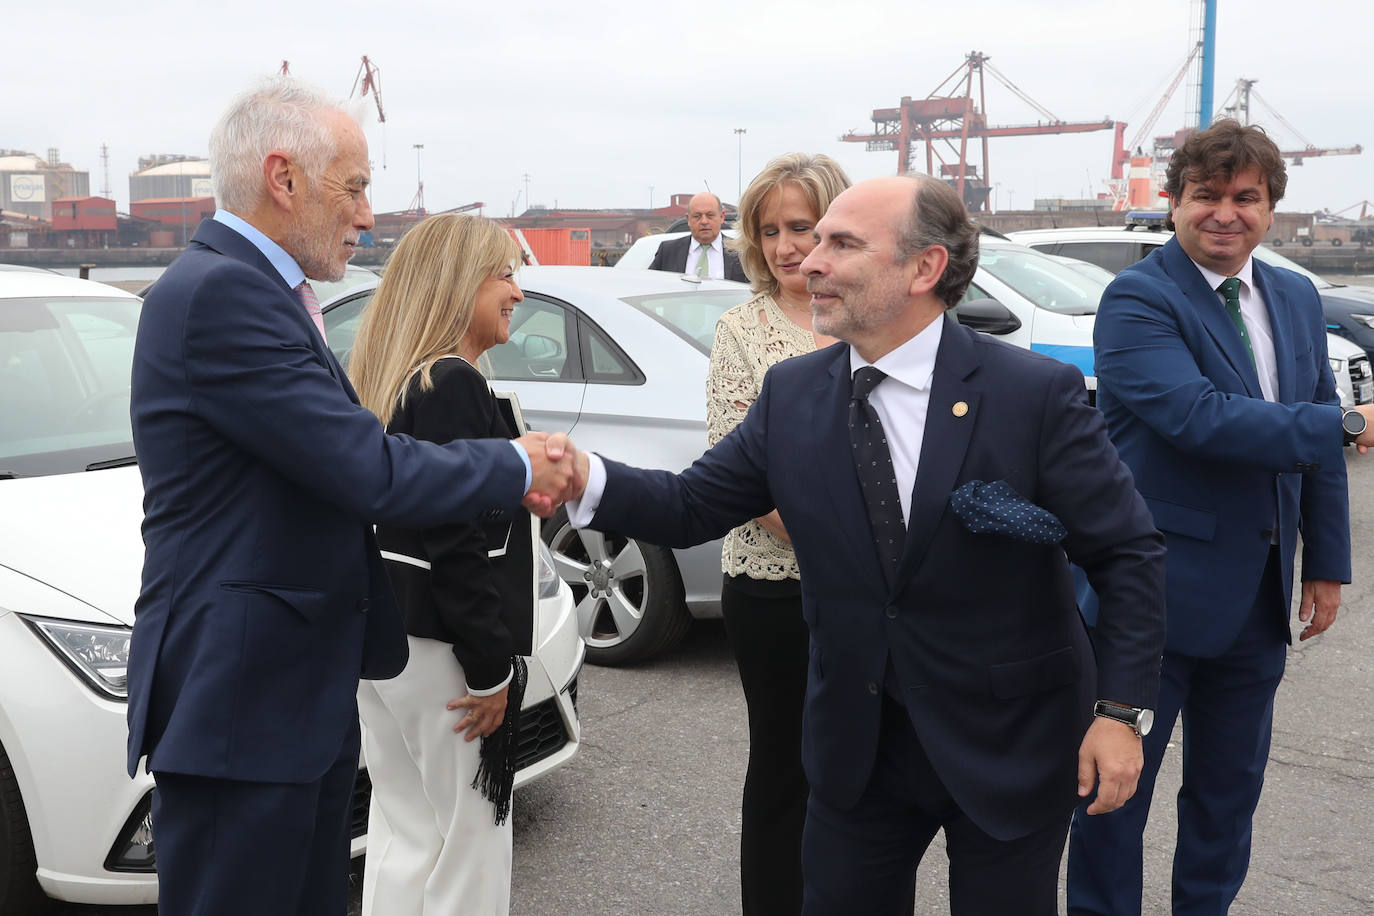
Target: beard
314	245
860	309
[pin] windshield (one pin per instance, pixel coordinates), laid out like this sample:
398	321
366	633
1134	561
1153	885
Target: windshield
691	315
1274	259
64	383
1043	280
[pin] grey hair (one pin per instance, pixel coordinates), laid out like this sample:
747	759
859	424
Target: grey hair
279	113
940	218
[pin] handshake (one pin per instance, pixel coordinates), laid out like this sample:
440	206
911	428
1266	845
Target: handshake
558	471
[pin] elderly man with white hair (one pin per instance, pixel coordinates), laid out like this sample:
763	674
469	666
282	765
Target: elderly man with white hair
264	599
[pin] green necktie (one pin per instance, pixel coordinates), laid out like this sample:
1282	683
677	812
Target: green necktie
704	262
1230	290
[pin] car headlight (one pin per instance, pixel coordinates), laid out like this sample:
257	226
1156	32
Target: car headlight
1337	364
99	654
548	576
1366	320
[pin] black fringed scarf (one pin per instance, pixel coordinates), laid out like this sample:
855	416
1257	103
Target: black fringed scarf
495	777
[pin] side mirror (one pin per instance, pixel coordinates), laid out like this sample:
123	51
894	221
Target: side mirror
986	315
537	346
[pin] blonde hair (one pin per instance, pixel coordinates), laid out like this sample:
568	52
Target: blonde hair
818	176
423	305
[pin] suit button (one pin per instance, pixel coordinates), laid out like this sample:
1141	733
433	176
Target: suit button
1267	534
364	605
890	611
873	688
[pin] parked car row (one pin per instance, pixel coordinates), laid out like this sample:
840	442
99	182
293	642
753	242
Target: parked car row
617	358
1349	310
73	825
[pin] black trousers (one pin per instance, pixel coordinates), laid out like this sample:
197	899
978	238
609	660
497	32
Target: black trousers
230	848
863	859
770	642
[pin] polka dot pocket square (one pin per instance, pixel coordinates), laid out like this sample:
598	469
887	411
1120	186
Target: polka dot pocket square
995	508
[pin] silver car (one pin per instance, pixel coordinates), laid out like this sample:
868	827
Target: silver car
617	359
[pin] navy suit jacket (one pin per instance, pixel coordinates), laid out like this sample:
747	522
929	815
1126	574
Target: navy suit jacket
1216	463
672	256
994	661
264	597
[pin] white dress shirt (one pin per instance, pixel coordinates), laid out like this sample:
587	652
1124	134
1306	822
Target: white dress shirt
1256	318
715	258
901	401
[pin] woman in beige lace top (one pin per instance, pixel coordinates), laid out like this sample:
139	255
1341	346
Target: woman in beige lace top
761	594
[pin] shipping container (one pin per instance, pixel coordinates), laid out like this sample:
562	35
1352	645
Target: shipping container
556	246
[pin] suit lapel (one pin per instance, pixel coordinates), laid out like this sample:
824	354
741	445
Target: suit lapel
1281	326
945	441
226	241
1207	305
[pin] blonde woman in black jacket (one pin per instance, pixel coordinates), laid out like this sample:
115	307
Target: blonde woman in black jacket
439	830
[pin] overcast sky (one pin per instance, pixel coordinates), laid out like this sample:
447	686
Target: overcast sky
617	104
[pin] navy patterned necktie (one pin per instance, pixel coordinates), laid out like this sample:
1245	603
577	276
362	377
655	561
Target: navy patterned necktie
877	480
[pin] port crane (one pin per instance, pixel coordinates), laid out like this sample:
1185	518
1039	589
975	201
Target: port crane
951	113
370	78
1237	105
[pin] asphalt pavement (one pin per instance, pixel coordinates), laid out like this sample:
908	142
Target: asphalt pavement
646	819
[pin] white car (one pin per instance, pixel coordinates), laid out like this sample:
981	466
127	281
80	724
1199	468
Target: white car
1114	248
73	825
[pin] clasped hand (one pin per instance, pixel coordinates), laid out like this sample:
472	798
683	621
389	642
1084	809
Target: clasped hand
556	474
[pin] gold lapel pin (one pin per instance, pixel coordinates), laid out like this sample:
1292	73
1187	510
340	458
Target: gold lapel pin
959	408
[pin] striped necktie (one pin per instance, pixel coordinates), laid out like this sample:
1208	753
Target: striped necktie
312	306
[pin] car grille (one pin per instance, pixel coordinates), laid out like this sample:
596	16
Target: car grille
1361	380
542	734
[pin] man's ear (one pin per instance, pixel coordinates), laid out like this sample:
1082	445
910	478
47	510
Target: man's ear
284	184
929	268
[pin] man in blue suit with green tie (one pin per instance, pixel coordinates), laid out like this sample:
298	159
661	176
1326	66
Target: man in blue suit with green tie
1213	376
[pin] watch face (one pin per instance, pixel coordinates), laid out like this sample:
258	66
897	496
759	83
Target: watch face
1145	721
1354	422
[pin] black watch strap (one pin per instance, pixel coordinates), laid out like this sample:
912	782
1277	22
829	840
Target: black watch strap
1353	424
1140	720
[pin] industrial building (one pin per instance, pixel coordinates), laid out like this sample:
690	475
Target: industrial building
163	176
30	184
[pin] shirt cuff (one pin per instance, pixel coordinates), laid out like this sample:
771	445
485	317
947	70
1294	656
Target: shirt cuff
525	460
582	510
489	691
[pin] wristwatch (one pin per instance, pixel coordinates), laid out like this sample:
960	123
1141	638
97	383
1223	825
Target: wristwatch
1354	423
1140	720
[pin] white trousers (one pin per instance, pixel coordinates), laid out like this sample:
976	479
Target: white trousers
432	846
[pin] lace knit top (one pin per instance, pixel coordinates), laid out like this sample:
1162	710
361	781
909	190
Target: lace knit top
749	338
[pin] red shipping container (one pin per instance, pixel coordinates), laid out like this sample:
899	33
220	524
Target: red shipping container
557	246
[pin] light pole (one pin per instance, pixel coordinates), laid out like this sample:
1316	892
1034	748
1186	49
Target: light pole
181	187
419	183
739	162
651	197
